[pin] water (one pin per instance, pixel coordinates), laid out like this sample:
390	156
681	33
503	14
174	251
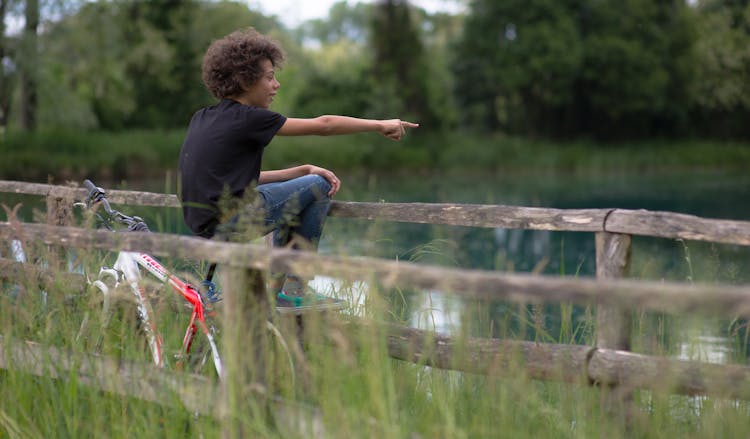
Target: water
705	194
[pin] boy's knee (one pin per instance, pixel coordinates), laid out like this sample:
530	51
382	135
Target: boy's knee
323	186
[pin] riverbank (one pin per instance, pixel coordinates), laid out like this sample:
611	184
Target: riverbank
67	155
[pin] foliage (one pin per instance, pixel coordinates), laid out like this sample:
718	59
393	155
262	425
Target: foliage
723	65
344	22
116	65
62	155
332	71
602	69
607	68
399	71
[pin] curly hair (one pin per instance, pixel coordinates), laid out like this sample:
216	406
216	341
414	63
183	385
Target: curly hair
234	61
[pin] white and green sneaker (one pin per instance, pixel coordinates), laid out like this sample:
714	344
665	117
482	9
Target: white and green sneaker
293	304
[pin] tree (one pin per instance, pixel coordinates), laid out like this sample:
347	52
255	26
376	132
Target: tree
516	64
85	83
721	90
120	65
29	66
167	41
636	72
333	80
399	69
4	74
604	68
336	60
344	22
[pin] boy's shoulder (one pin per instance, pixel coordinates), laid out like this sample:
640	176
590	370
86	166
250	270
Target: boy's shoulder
232	106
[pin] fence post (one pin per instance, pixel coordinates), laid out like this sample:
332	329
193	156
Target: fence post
59	209
59	213
613	323
244	345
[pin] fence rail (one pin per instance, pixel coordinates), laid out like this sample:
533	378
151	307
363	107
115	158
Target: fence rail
470	284
623	221
606	364
570	363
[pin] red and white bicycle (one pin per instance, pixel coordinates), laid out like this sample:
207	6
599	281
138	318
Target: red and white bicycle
126	271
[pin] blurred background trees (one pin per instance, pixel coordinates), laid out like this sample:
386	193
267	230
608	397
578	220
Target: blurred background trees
558	69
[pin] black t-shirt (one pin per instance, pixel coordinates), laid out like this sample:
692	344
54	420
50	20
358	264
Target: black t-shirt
222	152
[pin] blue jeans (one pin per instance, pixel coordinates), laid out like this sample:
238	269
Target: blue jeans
294	208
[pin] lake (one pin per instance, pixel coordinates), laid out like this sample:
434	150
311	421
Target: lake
706	194
710	195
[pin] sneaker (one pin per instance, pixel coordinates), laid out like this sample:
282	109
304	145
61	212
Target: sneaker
286	304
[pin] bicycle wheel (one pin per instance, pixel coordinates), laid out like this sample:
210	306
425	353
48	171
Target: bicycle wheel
148	325
200	348
119	320
92	332
127	268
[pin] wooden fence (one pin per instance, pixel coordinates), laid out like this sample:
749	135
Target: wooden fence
608	363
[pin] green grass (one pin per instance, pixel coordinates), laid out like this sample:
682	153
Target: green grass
65	155
360	391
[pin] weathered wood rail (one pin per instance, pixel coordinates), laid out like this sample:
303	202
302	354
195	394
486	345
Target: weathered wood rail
470	284
606	363
622	221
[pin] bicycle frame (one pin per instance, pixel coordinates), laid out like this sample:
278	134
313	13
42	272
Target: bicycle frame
126	269
127	263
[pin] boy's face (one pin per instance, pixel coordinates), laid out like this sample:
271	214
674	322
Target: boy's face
262	92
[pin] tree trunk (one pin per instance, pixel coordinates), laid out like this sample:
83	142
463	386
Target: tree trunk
30	67
4	89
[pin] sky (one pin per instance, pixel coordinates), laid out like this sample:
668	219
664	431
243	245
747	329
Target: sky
294	12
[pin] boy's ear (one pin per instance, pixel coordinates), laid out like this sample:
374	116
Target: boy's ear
243	85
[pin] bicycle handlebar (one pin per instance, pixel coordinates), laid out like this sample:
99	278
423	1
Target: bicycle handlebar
97	195
134	223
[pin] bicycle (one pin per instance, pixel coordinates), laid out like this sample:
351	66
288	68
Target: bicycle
125	275
126	271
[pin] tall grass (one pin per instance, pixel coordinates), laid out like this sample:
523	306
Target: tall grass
345	372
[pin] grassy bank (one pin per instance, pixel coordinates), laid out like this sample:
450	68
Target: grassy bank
360	392
63	155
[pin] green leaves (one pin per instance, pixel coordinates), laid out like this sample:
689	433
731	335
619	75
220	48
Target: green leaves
606	69
594	67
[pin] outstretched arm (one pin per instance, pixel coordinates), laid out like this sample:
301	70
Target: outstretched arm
334	125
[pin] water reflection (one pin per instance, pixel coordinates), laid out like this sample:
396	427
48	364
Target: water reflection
703	347
429	310
438	312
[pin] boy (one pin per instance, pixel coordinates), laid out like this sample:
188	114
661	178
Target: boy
223	148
